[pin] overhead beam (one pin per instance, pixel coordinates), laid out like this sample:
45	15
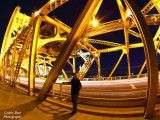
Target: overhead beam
103	42
118	25
136	45
58	23
50	6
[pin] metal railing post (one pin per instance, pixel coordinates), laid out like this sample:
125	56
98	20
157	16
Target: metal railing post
53	90
61	91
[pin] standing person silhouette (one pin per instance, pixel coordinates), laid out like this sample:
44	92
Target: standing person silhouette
75	88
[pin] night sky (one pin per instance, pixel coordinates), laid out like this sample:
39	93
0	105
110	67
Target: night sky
68	13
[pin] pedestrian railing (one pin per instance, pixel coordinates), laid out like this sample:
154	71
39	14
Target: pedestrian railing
60	92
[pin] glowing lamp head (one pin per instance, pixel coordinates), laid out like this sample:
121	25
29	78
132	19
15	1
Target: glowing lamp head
94	22
14	37
52	0
36	13
26	23
19	31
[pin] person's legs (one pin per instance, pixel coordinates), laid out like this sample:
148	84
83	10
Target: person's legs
74	101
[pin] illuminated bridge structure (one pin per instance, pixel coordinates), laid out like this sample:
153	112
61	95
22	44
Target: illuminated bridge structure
31	41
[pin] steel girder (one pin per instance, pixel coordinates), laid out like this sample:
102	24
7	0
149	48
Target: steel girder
81	24
78	32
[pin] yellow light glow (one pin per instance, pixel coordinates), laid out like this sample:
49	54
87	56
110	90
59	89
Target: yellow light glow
26	23
94	22
36	13
14	37
52	0
158	50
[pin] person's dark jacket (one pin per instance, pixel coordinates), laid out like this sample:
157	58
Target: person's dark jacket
75	86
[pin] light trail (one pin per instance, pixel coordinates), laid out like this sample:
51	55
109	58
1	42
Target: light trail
125	81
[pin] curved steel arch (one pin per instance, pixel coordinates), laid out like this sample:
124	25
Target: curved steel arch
151	57
8	31
43	42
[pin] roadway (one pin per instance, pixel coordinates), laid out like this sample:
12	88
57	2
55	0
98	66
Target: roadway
117	93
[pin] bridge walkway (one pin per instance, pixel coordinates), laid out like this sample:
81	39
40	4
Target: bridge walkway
15	103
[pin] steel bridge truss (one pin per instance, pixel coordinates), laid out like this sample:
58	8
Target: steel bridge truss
27	44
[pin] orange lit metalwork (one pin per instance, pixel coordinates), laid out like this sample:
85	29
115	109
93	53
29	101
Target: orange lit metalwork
25	40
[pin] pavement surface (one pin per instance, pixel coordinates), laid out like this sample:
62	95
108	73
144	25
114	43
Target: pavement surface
16	104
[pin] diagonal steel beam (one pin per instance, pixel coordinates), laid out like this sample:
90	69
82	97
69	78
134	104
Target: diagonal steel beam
58	23
134	33
149	6
103	42
76	33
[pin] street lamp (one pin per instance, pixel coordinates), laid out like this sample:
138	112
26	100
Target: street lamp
94	22
52	0
36	13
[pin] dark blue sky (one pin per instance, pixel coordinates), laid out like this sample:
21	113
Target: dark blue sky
68	13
